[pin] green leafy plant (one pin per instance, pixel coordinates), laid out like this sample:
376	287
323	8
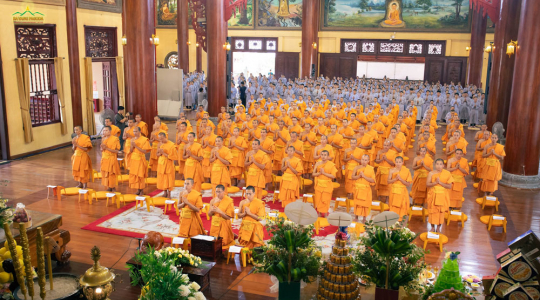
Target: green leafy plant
6	212
162	279
389	258
291	253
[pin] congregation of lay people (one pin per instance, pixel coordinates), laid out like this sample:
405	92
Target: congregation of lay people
321	141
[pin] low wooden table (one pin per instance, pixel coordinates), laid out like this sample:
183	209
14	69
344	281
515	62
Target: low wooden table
200	274
50	225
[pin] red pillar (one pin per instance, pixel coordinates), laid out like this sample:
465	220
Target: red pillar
182	26
140	62
74	62
502	65
523	135
310	30
216	37
198	60
476	54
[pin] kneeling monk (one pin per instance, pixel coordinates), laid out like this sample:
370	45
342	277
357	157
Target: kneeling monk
292	168
222	211
190	203
251	233
364	176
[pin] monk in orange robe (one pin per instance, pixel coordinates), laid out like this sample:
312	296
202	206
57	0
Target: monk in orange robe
459	167
439	183
142	125
268	147
193	154
208	143
154	142
385	159
80	161
379	128
323	146
128	135
181	141
166	154
138	166
252	210
478	161
456	142
292	168
364	177
222	212
320	129
296	144
336	141
115	131
256	161
422	165
162	125
238	146
190	204
281	137
352	158
427	141
310	141
399	179
220	158
491	171
110	147
324	172
365	141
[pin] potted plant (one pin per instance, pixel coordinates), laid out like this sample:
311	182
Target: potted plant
290	255
6	212
161	278
388	258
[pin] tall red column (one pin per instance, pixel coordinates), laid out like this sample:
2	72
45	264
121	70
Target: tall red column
476	54
198	59
216	37
502	65
140	61
74	62
310	30
523	135
182	26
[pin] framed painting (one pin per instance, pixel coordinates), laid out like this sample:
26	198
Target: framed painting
102	5
244	17
166	14
49	2
396	15
279	14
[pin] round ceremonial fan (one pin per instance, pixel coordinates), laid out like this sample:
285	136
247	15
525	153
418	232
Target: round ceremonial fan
301	213
339	219
386	219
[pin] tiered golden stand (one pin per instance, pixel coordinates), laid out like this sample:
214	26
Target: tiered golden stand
338	281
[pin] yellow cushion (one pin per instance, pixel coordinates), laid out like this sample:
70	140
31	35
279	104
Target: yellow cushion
405	158
70	191
264	193
151	180
177	168
233	189
206	186
123	178
278	178
178	183
159	201
308	182
129	197
101	195
336	185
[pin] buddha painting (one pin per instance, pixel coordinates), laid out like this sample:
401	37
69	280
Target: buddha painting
165	12
283	9
393	15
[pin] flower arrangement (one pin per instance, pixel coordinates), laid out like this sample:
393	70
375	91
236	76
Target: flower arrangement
6	212
162	279
388	257
179	256
291	254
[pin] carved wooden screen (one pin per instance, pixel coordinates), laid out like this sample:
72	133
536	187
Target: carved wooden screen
100	41
36	41
412	48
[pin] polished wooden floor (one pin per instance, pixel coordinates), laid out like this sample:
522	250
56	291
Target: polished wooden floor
25	181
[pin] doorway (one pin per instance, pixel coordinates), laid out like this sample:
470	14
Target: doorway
253	63
105	89
390	70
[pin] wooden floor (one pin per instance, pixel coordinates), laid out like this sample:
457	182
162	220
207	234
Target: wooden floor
25	181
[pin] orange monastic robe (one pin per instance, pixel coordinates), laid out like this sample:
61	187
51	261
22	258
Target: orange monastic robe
144	128
138	166
399	196
256	177
280	148
438	199
127	146
180	148
193	167
308	151
362	192
220	173
338	153
461	144
456	193
206	167
190	221
165	167
324	187
290	185
268	145
221	227
491	171
419	189
80	161
115	131
237	166
251	233
109	163
153	161
349	168
383	188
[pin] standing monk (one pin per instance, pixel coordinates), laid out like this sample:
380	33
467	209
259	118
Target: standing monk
128	135
222	211
252	211
324	172
364	176
439	183
142	125
268	147
336	141
238	146
459	167
181	140
351	158
110	147
310	141
80	161
220	158
115	131
399	179
422	165
491	171
385	159
154	142
208	143
166	154
193	154
256	161
281	137
190	203
138	166
291	166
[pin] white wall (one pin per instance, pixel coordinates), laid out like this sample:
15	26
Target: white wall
373	69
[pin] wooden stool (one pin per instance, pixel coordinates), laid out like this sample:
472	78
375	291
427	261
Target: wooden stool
113	196
236	211
418	211
276	197
305	182
275	181
343	202
205	209
85	193
307	198
488	201
121	162
456	215
321	222
441	240
379	206
357	228
55	190
177	241
143	199
244	253
494	220
96	175
170	202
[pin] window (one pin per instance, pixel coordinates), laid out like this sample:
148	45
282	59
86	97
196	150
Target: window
350	47
38	43
391	47
255	44
434	48
368	47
